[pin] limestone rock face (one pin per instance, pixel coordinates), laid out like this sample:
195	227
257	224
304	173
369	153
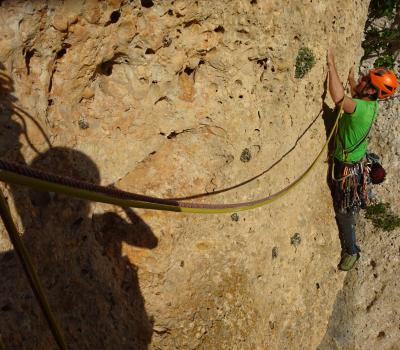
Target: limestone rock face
172	99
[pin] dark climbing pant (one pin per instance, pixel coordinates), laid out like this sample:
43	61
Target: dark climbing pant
346	206
347	232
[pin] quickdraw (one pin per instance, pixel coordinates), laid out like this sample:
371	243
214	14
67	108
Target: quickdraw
352	182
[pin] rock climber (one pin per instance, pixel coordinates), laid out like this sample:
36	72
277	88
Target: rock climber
351	165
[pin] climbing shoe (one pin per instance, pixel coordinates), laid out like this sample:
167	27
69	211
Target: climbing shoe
348	261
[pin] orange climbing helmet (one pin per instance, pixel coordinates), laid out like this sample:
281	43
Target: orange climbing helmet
384	80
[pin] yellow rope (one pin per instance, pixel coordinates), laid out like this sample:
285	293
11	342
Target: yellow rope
2	346
29	271
11	177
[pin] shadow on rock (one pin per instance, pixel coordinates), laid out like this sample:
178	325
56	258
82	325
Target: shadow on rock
340	329
340	318
9	129
92	289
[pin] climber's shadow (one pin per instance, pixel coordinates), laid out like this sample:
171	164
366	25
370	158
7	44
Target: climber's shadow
9	129
92	289
341	323
329	116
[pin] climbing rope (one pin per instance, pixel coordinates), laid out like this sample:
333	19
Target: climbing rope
2	346
255	177
30	272
23	175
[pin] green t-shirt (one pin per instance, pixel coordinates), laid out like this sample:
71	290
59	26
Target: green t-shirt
353	128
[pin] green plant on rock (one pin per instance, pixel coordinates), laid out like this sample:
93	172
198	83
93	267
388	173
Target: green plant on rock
295	240
82	122
382	216
382	43
305	60
382	8
386	61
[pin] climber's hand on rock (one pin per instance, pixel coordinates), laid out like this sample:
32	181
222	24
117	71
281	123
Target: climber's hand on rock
351	75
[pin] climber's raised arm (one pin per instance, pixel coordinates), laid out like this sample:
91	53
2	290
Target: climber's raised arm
352	82
336	89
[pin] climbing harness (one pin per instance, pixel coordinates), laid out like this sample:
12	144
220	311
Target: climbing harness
351	184
23	175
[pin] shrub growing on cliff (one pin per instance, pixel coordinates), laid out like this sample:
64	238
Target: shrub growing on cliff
305	60
386	61
245	156
382	217
82	122
382	8
383	43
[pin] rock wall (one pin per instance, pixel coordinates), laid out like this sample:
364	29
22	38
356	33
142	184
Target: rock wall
173	99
